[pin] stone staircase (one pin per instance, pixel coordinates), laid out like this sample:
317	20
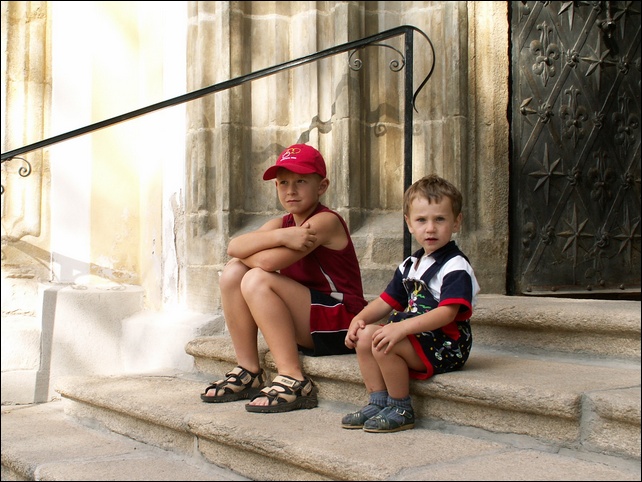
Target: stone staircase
551	392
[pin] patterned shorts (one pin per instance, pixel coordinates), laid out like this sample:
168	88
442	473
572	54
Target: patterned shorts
439	352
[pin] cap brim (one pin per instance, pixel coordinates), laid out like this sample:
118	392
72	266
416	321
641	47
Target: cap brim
272	171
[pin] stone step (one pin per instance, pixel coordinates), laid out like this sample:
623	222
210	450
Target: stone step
597	329
560	371
41	442
164	413
551	391
575	403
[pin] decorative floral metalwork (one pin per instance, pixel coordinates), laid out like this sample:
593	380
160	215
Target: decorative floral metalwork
623	65
545	112
598	119
574	177
572	58
601	178
545	53
573	116
625	123
548	234
594	132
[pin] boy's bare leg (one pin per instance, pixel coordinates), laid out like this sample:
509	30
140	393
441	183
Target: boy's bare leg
370	371
281	309
238	318
394	367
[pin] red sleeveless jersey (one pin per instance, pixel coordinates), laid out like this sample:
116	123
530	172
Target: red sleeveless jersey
330	271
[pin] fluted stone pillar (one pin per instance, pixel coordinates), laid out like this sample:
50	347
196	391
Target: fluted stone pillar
25	82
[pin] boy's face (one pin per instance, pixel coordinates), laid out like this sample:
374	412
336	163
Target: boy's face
299	193
432	225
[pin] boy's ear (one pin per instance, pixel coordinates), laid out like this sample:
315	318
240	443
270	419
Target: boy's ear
458	221
323	185
405	218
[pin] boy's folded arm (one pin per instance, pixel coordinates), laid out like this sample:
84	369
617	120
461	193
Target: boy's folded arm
266	237
375	311
273	259
275	255
264	248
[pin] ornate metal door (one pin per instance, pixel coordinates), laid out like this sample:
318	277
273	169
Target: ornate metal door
575	166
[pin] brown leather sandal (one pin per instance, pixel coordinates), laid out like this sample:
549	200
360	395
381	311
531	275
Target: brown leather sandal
286	394
238	384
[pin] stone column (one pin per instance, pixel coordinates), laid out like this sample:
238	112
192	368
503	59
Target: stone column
25	82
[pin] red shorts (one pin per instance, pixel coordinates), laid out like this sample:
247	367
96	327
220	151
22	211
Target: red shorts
329	322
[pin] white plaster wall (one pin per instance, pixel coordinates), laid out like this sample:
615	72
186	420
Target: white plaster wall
174	34
69	160
121	225
115	197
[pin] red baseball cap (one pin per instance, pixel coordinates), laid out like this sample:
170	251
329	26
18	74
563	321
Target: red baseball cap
299	158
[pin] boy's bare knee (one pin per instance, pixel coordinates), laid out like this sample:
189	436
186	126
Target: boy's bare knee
232	274
364	343
253	280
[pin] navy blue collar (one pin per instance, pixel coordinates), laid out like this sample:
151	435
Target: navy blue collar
442	255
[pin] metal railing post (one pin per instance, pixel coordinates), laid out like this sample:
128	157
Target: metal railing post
407	134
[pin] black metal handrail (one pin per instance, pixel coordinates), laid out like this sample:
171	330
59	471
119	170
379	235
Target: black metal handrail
355	64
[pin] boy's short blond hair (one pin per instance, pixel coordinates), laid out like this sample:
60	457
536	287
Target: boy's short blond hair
433	188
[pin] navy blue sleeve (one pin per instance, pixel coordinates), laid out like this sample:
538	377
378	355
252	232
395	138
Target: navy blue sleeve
395	293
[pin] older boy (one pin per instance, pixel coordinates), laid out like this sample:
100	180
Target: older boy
297	279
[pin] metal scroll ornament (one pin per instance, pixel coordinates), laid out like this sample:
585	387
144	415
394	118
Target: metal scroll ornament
23	171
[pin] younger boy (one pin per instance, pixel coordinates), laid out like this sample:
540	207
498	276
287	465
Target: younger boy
297	279
430	300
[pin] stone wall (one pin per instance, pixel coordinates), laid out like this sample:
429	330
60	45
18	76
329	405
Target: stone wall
355	118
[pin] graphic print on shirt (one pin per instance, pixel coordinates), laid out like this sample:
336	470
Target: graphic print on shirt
415	288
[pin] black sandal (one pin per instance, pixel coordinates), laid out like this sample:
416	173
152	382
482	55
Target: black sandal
238	384
358	418
286	394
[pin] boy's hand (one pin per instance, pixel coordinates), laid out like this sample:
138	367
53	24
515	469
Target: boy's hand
299	238
386	336
351	336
